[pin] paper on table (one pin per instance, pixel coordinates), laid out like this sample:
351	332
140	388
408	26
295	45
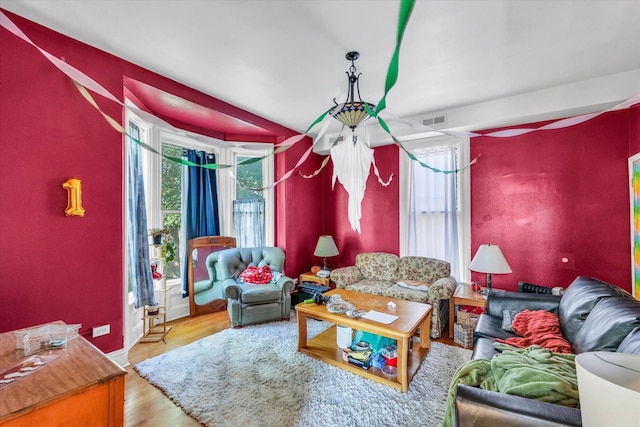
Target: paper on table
380	317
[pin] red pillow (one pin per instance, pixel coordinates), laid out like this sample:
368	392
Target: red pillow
256	275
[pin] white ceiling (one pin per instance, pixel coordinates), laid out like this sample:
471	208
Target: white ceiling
284	60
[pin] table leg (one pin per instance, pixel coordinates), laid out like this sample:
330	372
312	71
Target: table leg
302	330
425	332
403	350
452	315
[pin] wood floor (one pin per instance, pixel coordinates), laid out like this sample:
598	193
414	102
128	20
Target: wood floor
146	405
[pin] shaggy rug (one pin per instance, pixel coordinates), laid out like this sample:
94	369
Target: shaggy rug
254	376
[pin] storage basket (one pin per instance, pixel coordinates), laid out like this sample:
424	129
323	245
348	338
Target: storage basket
463	335
468	319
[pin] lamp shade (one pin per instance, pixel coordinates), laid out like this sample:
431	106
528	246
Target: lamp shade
489	259
609	384
326	247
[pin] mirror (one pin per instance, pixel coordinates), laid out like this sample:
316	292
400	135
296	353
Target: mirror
204	296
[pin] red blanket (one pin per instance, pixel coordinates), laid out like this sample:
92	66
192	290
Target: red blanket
538	327
256	275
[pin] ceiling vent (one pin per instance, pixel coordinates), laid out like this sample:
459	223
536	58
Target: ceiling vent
435	121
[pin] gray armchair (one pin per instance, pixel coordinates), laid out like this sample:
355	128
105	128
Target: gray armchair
248	303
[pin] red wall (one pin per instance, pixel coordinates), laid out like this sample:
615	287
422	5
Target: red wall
380	212
634	130
299	210
53	267
548	195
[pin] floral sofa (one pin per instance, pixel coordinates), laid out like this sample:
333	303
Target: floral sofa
412	278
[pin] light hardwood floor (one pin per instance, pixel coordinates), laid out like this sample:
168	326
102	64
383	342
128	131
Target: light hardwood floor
145	405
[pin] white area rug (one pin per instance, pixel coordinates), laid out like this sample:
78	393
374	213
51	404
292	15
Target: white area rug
254	376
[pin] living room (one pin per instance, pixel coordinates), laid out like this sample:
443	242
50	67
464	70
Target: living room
544	197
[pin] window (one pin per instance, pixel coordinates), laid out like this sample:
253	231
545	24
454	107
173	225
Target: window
248	206
171	203
423	213
163	183
249	179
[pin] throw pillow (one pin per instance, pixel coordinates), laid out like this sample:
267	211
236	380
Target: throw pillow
507	319
276	275
413	284
256	275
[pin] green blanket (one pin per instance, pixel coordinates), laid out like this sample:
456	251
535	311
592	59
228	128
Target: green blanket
533	372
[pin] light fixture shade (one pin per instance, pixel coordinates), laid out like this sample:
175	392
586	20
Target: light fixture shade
326	247
489	259
351	114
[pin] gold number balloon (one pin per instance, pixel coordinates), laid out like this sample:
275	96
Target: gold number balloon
74	197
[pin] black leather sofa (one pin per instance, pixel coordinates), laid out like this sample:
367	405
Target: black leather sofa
594	316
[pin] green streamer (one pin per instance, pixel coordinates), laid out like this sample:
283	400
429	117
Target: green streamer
384	126
406	7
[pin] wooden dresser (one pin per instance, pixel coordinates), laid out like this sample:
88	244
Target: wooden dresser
81	387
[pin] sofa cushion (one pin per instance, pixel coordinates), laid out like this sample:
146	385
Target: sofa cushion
631	343
498	301
229	263
609	322
382	288
578	301
491	327
377	266
252	294
412	284
422	269
483	349
507	319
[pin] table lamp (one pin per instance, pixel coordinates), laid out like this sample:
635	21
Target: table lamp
609	384
326	247
489	259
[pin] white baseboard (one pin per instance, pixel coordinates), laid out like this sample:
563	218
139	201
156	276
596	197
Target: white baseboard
121	357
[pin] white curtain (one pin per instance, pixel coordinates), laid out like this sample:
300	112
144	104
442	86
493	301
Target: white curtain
433	216
248	220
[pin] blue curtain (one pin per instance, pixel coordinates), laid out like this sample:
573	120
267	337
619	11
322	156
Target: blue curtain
138	250
200	208
248	222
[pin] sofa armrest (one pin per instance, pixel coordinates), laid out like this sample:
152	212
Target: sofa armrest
286	284
344	276
483	408
231	289
497	301
442	288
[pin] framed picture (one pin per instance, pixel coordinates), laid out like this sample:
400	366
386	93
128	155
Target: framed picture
634	189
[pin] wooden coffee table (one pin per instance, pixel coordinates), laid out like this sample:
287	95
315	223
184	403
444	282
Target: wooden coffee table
412	317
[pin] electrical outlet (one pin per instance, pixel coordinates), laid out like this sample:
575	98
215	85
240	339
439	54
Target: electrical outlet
101	330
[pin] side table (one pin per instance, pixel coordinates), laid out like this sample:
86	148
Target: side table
311	277
464	295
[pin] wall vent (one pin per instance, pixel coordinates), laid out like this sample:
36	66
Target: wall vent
435	121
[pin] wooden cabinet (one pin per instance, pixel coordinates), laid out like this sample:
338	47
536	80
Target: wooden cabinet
81	387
